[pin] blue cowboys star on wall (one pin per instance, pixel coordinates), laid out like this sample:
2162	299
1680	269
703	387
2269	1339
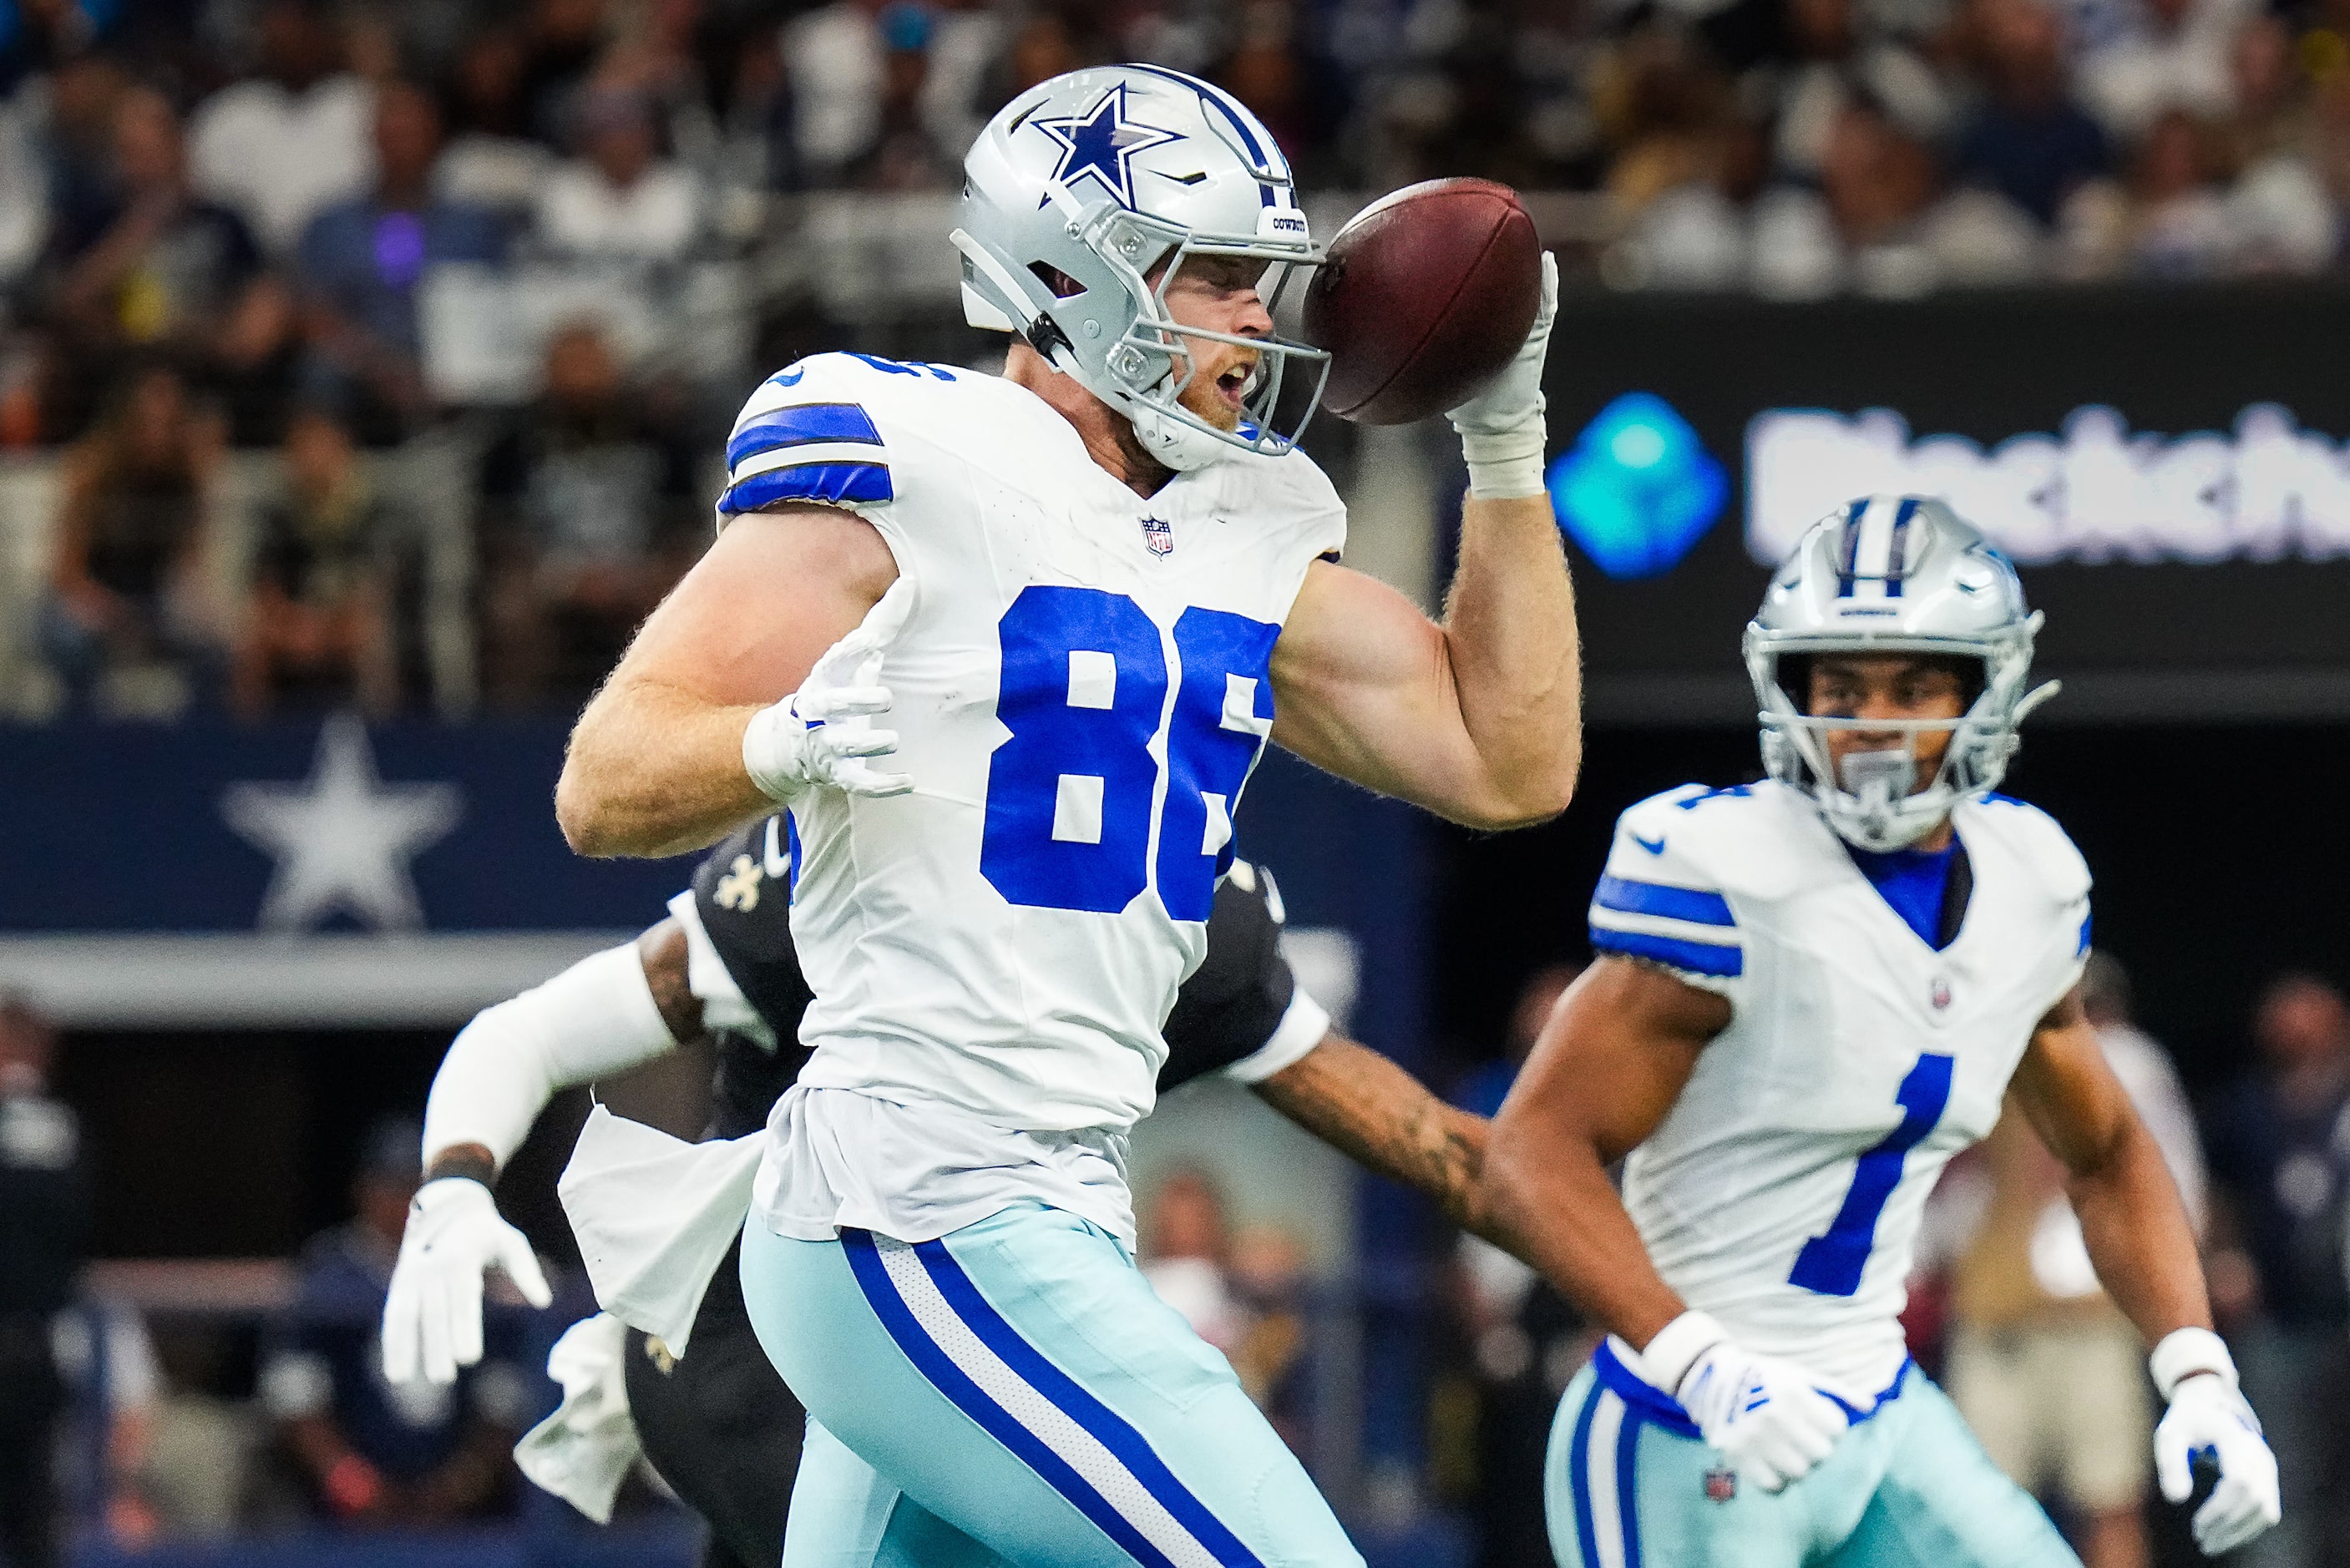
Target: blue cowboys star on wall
1101	142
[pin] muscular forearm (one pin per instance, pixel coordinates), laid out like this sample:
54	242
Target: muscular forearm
1516	661
2139	1239
1556	1208
653	771
1379	1115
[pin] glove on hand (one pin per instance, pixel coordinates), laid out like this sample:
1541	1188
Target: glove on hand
1761	1412
1502	428
822	734
2208	1415
432	1315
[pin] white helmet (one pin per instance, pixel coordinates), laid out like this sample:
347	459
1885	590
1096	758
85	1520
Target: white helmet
1100	176
1893	574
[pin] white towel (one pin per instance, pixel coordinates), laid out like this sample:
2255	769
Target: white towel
654	1216
585	1451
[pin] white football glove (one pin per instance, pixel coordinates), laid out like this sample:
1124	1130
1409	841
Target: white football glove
1761	1413
1501	428
2208	1415
432	1315
823	734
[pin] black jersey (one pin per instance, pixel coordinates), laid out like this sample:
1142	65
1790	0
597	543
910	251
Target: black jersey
1226	1011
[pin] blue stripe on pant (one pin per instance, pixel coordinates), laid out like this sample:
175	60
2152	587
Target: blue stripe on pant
1908	1487
1016	1387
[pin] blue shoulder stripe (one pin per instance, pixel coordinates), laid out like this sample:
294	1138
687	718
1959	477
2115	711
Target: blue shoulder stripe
820	481
1698	958
1630	898
799	424
2084	931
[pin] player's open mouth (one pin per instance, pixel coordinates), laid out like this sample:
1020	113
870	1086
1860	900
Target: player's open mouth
1234	385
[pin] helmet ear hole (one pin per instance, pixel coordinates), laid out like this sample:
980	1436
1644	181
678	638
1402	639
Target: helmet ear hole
1063	286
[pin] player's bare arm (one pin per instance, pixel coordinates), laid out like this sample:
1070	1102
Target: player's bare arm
656	763
2131	1217
2140	1238
1477	717
1606	1071
1375	1113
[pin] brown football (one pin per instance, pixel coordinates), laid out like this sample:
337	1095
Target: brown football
1425	295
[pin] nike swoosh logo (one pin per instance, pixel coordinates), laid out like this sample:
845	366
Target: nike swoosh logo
1653	845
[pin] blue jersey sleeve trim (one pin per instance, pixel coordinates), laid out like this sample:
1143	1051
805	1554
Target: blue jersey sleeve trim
800	424
1698	958
2085	932
830	483
1635	898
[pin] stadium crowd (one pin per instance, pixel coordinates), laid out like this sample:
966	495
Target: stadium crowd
254	254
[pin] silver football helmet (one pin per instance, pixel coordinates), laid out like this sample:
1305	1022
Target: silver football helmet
1101	176
1893	574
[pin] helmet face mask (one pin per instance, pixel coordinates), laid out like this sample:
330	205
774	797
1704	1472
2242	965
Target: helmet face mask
1893	575
1115	178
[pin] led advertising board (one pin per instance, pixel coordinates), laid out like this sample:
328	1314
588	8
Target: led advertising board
2168	468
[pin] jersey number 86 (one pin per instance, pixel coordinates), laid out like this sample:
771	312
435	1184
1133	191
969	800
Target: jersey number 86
1074	797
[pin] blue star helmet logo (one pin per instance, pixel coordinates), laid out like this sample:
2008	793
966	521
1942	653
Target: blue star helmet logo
1638	490
1101	142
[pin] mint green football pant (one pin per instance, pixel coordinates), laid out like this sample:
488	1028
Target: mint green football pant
1012	1396
1628	1484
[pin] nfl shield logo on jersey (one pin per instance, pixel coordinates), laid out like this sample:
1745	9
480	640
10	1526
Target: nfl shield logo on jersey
1159	535
1721	1484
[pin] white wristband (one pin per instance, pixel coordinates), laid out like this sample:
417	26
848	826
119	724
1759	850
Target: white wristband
775	752
1668	1358
2186	1352
1506	467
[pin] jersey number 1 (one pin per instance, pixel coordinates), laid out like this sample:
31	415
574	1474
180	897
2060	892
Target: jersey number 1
1830	1266
1072	796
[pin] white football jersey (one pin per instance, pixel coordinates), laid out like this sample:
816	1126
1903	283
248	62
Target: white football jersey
1782	1192
1081	691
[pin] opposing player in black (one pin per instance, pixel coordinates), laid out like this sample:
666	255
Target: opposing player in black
718	1423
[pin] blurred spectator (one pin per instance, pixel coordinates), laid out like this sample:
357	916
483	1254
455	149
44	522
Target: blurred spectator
591	515
1245	1293
23	193
2278	1166
2179	225
2045	1368
1666	114
1806	61
317	626
618	202
166	270
885	91
491	159
1184	1253
128	624
2172	58
2028	140
373	1452
283	145
1266	70
43	1233
363	259
561	42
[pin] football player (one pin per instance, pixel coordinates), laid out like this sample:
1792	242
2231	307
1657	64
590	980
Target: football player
1084	594
718	1423
1810	993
